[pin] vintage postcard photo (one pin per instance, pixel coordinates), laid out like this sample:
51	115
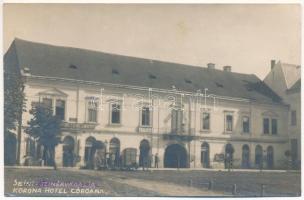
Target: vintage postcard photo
152	100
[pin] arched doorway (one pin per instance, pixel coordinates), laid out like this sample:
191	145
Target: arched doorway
175	157
89	152
114	152
270	157
259	156
229	151
68	152
100	156
205	160
144	154
10	146
245	156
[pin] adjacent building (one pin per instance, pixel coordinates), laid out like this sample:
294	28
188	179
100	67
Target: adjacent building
285	80
118	108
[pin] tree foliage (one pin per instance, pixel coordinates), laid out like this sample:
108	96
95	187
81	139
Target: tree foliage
14	99
46	129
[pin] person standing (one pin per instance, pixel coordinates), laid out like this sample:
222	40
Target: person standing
156	159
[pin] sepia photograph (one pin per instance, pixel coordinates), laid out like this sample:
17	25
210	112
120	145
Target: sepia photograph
152	100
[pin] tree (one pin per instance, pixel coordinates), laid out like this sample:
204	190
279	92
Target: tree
46	129
14	104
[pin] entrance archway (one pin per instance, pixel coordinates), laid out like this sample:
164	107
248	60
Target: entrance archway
175	157
144	155
68	152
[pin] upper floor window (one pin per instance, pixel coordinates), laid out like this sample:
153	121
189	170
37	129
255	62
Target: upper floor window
293	118
266	126
47	102
270	124
145	116
206	121
176	120
246	124
274	126
228	122
55	100
115	113
92	110
60	109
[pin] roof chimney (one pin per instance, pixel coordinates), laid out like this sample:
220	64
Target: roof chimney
227	68
272	64
211	66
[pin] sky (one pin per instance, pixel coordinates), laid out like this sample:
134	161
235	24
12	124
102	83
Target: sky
245	37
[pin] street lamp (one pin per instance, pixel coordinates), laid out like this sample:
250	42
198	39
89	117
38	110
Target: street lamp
106	152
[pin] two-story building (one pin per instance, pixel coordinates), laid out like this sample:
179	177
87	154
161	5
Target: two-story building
120	107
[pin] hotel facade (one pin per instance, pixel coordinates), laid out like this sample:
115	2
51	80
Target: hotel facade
117	108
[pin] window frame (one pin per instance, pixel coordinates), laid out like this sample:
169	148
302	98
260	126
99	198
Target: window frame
111	113
270	126
293	118
202	121
179	127
87	113
54	99
64	109
225	122
249	124
141	116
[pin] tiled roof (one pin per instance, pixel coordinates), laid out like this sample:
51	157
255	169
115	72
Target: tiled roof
295	87
87	65
292	73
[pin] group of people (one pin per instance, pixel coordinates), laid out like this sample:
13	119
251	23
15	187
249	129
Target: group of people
145	163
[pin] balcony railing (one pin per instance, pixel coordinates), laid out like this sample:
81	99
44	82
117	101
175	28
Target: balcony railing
78	126
145	129
182	135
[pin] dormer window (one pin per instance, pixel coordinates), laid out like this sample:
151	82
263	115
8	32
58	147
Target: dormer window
152	76
188	81
219	85
115	72
73	66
